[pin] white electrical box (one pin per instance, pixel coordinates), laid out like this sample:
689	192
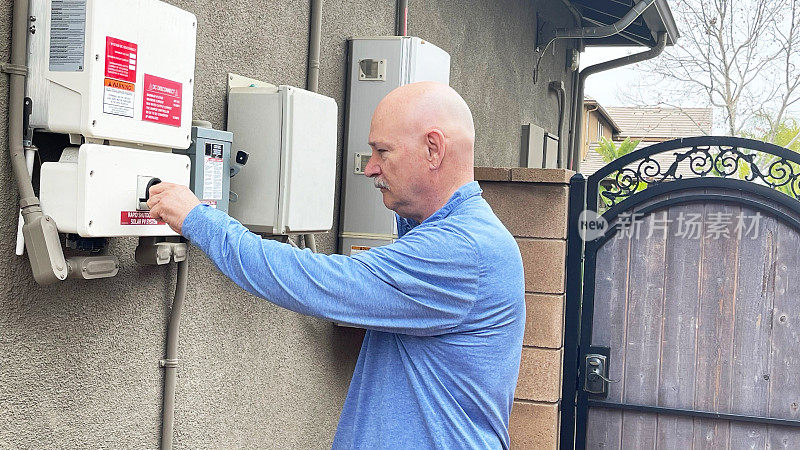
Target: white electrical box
99	190
377	66
289	181
117	70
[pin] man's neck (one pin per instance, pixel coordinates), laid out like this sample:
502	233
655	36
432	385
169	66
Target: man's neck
440	200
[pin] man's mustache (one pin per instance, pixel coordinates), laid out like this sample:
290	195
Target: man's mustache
381	183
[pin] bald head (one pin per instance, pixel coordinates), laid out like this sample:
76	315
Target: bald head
418	107
423	139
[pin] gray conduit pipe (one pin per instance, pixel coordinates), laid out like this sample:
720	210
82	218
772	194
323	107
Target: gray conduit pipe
661	43
41	235
170	362
312	84
19	40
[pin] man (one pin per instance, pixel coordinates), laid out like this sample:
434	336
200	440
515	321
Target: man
443	305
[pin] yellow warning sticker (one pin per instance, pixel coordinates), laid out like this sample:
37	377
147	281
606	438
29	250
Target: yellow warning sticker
356	249
118	97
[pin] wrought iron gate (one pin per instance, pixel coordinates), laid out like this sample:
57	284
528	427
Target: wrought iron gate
672	341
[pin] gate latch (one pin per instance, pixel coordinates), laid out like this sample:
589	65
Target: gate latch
596	374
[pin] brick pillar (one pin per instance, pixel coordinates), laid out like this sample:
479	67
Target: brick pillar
532	204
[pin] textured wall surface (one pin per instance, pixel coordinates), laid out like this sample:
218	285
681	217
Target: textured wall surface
79	360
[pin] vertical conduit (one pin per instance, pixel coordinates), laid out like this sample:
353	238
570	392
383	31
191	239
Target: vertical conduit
170	362
401	28
312	84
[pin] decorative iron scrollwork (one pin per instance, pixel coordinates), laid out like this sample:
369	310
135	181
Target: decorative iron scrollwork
725	161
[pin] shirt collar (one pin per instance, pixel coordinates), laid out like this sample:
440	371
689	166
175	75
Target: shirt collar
466	191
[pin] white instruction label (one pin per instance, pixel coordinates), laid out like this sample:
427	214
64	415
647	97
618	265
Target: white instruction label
67	35
118	97
212	170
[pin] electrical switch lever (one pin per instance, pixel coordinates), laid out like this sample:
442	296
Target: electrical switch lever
143	199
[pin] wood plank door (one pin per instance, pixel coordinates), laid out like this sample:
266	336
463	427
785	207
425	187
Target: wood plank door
697	308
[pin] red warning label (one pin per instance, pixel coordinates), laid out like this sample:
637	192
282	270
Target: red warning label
121	59
161	100
138	218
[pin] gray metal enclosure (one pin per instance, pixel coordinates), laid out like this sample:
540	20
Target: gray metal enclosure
693	297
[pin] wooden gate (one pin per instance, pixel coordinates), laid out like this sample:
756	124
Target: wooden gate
683	299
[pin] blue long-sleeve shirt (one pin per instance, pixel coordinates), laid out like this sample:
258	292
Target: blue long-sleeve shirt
444	311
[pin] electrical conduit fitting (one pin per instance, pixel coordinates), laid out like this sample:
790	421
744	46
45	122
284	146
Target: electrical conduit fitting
40	232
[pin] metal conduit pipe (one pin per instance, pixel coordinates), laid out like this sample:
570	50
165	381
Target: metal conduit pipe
170	362
401	28
575	159
312	83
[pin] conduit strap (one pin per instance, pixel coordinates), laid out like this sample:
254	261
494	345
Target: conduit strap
169	363
15	69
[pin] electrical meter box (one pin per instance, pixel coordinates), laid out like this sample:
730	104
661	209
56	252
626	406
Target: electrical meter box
377	66
117	70
289	182
101	190
210	153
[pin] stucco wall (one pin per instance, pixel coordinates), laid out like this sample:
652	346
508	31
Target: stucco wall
79	360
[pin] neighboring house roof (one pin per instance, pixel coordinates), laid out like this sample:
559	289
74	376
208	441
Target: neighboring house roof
660	123
594	162
592	104
651	125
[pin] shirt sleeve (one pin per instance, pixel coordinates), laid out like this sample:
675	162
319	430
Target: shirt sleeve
423	284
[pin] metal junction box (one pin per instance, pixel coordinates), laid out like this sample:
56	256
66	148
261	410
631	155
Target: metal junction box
120	70
210	153
98	191
289	182
377	66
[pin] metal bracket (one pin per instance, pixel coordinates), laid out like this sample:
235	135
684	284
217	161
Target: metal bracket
14	69
169	363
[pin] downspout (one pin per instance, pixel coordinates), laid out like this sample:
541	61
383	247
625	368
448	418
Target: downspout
41	235
312	84
661	42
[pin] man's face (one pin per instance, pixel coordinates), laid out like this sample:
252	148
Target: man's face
397	165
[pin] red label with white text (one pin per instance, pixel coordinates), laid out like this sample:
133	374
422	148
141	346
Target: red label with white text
138	218
162	100
121	59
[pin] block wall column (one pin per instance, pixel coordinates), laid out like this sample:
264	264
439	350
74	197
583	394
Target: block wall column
532	204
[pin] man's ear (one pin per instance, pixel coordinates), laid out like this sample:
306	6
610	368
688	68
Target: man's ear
436	148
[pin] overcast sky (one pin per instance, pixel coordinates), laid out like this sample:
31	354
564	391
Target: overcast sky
605	86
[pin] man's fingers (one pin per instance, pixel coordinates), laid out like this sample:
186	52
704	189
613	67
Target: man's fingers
155	199
155	212
160	187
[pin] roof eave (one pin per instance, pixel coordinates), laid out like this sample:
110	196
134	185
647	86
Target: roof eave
660	19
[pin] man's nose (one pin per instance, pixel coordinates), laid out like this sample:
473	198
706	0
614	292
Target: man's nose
372	169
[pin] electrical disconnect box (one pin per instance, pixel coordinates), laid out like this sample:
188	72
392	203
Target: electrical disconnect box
101	191
289	182
116	76
210	153
117	70
377	66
